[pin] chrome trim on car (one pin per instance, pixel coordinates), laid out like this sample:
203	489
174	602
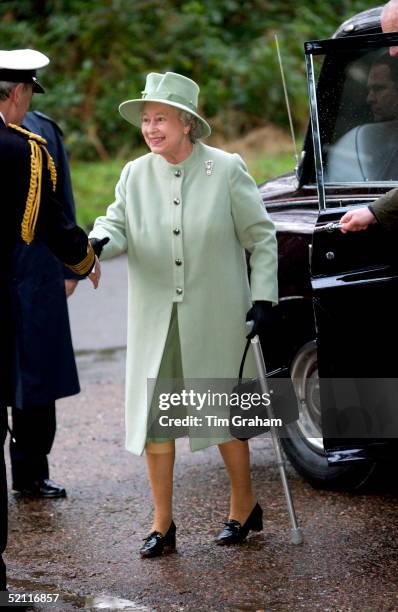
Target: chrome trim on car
291	297
316	135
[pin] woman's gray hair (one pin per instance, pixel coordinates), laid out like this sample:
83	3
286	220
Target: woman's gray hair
196	130
5	89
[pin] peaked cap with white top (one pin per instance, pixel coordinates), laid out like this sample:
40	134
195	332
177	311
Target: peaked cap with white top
20	65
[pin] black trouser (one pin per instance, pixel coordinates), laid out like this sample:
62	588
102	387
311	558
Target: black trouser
34	431
3	496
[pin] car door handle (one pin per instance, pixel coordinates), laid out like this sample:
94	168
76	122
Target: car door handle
329	227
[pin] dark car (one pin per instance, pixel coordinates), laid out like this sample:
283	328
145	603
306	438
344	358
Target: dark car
337	316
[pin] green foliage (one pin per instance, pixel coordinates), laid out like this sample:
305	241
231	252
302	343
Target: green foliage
101	51
94	188
265	167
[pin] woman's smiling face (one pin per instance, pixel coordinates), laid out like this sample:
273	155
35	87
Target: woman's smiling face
164	132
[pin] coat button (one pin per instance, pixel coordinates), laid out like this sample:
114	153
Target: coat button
176	231
179	291
176	201
178	262
177	173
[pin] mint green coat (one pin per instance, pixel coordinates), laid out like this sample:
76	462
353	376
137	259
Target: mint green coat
201	216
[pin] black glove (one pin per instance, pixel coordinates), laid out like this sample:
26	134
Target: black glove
98	245
261	315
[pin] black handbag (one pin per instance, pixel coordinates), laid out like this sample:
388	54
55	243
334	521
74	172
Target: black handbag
248	422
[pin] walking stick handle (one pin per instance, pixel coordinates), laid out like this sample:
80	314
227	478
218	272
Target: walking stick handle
249	325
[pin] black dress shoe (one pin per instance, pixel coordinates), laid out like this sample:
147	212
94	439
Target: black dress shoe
41	488
156	544
234	532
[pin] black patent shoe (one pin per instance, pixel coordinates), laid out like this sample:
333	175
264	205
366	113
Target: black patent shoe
156	544
45	488
234	532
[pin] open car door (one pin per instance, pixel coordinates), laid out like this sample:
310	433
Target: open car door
355	275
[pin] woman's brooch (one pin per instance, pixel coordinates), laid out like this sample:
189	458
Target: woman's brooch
209	166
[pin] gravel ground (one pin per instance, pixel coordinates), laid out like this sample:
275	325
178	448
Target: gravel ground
85	547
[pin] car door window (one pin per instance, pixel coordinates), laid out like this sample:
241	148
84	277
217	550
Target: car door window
357	105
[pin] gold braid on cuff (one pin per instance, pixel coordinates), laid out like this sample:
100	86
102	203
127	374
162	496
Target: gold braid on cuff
86	264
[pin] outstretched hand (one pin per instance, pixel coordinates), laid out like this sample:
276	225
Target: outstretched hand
98	245
95	275
70	286
357	220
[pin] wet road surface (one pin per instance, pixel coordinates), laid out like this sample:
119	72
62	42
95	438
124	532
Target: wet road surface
85	547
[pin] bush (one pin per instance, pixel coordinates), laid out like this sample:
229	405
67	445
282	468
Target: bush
101	51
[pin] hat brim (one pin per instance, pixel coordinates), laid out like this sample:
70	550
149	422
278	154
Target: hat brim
131	111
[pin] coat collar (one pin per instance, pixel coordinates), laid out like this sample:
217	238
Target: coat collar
190	162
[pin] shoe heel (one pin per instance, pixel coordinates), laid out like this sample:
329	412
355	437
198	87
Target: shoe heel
257	525
170	545
170	539
256	519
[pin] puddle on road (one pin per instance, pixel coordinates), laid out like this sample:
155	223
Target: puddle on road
106	602
73	601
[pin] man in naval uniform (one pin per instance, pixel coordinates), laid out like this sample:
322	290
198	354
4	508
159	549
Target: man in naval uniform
29	209
46	363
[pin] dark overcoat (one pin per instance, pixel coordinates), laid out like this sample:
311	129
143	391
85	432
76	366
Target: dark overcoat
45	367
18	217
62	236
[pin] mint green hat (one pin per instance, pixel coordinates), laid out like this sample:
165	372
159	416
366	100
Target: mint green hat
169	88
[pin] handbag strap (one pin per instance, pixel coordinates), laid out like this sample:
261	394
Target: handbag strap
242	363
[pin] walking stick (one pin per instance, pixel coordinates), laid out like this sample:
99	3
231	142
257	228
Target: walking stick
296	532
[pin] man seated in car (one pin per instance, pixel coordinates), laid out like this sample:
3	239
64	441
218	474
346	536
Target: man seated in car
369	152
385	209
383	88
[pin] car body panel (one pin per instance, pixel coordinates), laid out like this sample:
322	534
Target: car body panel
347	283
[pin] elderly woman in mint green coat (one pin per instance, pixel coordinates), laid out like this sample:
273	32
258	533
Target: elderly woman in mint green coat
185	213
